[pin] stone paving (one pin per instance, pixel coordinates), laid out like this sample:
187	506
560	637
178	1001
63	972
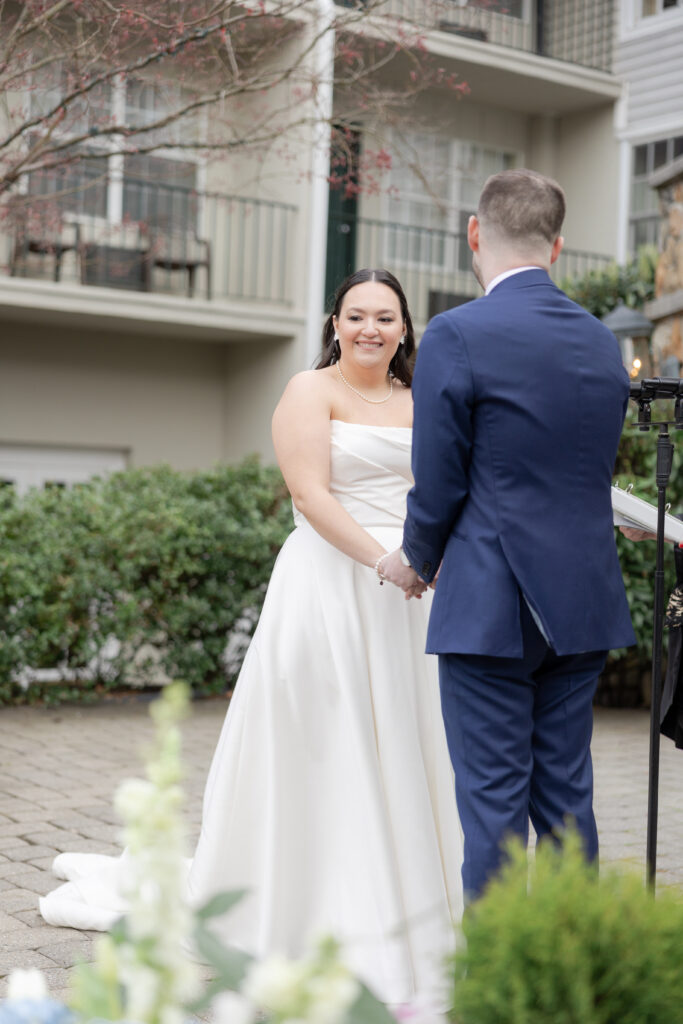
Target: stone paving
59	769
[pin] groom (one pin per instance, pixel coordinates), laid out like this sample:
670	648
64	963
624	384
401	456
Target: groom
519	399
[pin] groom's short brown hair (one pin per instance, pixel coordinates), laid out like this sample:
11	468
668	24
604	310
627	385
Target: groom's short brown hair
522	205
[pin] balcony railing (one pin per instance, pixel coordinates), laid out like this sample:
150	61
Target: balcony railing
162	238
432	264
577	31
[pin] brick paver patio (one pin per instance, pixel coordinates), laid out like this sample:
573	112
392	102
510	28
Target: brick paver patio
59	769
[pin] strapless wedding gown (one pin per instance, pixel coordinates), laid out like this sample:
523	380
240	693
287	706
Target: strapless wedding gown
330	796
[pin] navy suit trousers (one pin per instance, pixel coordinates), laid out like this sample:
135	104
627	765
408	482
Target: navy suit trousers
519	732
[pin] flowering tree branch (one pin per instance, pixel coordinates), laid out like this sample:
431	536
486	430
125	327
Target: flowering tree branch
248	67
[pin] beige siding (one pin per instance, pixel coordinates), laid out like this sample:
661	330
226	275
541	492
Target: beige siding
588	170
186	403
652	64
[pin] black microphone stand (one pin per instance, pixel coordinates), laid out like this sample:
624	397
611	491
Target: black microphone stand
644	393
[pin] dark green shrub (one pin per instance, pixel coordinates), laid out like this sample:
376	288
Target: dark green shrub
564	946
167	563
632	283
636	463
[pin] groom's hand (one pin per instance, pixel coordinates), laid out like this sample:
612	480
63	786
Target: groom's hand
635	534
403	576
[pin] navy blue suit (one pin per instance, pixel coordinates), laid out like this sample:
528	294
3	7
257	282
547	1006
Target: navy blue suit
519	399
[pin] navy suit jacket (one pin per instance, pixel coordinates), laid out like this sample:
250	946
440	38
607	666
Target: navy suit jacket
520	399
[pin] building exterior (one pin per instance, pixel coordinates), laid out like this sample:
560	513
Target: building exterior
160	317
666	309
649	123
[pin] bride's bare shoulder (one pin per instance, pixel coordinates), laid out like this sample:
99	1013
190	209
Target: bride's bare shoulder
308	381
308	393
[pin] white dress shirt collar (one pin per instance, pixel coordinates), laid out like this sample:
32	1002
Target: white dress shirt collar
508	273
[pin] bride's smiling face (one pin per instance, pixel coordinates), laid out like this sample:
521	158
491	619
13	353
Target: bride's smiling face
369	325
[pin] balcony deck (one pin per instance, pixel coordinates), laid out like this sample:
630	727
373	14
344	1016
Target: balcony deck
188	260
536	57
433	264
216	267
574	31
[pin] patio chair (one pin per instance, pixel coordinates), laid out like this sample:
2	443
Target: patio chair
39	228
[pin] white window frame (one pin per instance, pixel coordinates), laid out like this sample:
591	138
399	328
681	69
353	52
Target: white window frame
660	9
667	137
633	23
115	185
454	202
525	16
26	466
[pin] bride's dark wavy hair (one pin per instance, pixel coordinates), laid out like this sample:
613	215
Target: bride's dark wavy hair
401	366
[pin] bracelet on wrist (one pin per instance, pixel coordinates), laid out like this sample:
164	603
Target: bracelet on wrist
378	568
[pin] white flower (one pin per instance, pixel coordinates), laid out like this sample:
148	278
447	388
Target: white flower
232	1008
29	984
142	990
145	967
277	984
316	990
172	1015
331	995
134	797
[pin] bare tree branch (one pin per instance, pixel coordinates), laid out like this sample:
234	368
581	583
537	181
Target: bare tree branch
232	58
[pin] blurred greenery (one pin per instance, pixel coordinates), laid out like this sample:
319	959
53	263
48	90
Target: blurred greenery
636	463
599	291
558	943
632	283
169	564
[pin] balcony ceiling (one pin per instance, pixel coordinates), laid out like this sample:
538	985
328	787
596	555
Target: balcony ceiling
91	310
524	82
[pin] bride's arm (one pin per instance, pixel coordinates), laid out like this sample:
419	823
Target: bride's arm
301	435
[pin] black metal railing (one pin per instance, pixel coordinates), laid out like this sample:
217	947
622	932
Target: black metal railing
432	264
94	228
576	31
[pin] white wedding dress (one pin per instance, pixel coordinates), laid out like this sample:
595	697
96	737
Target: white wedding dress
330	797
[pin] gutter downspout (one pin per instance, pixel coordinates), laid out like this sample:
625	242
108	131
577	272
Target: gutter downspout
323	67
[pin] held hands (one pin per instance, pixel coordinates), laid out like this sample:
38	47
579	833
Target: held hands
403	576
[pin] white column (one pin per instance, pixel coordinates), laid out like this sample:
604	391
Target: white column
623	199
323	66
115	190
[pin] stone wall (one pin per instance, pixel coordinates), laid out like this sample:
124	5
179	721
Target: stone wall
666	309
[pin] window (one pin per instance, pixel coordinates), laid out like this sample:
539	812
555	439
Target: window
644	209
96	108
171	203
652	7
512	8
78	188
147	102
156	189
436	189
504	22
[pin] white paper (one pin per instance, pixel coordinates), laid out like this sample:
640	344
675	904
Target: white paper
629	510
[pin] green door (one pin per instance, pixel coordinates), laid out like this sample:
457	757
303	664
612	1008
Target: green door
342	217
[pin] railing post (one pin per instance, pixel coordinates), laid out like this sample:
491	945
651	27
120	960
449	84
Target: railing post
539	26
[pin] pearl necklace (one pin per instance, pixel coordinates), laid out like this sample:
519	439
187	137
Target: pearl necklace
372	401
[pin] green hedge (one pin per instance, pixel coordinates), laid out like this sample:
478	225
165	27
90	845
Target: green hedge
165	562
557	943
632	283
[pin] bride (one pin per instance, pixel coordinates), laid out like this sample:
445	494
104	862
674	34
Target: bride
330	796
